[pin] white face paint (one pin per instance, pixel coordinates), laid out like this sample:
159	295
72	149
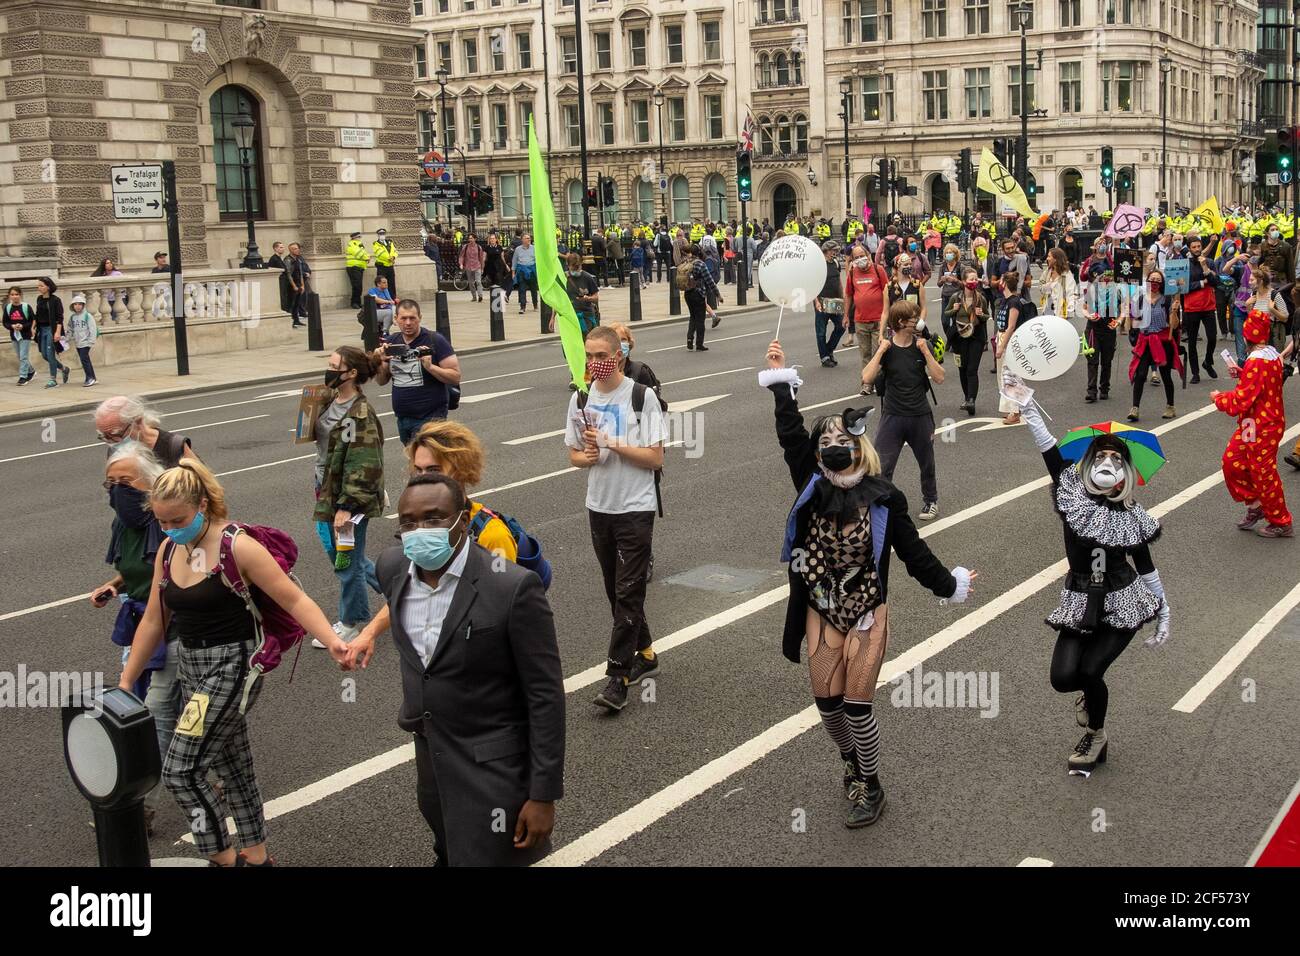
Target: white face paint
1107	471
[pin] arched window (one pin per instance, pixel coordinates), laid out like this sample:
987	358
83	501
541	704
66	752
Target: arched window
783	134
225	106
573	192
715	192
765	135
645	200
796	64
782	70
800	133
764	70
679	190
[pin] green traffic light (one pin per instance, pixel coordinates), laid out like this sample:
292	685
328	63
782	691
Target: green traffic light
1285	161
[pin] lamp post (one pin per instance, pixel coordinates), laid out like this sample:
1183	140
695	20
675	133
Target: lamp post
441	75
663	173
886	188
846	90
582	114
245	129
1024	13
1166	65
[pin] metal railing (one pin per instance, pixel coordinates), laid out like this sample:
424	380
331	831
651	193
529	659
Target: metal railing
780	157
1252	129
778	85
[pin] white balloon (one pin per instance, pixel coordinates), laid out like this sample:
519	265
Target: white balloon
792	272
1042	348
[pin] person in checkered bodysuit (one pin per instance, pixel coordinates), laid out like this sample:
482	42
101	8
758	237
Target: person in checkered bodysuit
1250	460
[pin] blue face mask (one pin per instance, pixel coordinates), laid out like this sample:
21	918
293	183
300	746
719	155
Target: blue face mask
188	533
625	347
429	548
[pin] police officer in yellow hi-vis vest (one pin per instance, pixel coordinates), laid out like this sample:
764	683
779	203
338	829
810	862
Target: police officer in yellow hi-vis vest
385	255
357	260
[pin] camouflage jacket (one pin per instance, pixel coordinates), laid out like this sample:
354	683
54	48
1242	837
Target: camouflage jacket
354	470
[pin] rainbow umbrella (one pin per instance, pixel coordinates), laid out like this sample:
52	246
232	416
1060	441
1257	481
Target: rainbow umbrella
1143	447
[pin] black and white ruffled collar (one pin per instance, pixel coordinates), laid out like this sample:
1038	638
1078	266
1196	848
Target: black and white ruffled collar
1109	525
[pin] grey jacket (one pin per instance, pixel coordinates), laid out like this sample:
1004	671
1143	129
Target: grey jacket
489	708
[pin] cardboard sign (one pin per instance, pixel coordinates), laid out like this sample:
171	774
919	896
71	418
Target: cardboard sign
314	400
1178	274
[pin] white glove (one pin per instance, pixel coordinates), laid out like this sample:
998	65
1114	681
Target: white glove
1152	581
1029	414
963	587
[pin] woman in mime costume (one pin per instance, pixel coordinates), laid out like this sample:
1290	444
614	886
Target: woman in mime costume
838	540
1104	601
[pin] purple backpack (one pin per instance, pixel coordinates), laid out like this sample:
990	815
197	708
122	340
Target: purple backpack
277	631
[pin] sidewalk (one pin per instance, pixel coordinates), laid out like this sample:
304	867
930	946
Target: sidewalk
470	333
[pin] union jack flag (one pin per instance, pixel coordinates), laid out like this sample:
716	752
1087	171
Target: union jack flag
747	132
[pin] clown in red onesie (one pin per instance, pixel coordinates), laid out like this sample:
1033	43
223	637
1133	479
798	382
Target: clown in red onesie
1250	461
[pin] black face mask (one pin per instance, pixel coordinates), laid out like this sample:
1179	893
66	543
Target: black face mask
334	377
128	503
836	457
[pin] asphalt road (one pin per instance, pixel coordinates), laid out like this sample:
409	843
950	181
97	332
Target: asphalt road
727	764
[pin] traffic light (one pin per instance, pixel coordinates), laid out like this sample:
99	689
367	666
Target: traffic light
1284	169
1286	139
607	192
964	170
1107	167
1000	150
483	200
883	175
744	176
591	201
1125	180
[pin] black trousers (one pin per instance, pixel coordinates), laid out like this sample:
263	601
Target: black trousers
1145	365
663	264
695	327
354	280
623	545
918	432
1102	339
1192	323
426	793
969	351
1079	663
388	273
1223	309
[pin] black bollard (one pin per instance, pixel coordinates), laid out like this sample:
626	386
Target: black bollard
674	297
442	317
370	332
634	297
741	284
546	315
315	335
496	320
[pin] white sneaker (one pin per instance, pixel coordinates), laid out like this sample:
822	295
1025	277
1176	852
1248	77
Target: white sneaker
343	631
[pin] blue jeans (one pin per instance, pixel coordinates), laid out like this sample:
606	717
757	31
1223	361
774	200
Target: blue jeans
354	603
23	348
407	427
163	700
824	348
45	342
1238	337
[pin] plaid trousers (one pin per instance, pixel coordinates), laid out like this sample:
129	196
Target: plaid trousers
217	741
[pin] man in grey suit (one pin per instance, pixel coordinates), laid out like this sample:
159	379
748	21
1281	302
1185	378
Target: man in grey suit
482	688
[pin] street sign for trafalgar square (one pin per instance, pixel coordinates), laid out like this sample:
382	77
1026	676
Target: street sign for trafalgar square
137	191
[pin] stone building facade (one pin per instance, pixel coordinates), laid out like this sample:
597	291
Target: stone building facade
87	86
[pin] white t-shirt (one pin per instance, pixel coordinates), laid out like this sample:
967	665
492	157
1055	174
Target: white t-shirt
615	485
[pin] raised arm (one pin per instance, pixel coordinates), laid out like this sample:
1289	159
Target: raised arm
1043	439
790	431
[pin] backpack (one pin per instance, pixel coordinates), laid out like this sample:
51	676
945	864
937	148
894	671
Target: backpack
684	277
636	371
529	548
277	631
892	249
638	406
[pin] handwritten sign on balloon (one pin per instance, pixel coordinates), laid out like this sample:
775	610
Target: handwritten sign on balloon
792	272
1042	349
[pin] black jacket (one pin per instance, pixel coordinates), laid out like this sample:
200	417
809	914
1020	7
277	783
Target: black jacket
489	707
900	534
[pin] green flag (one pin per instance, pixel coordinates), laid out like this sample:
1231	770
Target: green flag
552	284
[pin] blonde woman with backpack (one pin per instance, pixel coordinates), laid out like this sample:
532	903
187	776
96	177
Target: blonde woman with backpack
218	635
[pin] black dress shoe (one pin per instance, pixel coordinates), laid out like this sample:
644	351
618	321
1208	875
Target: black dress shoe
701	348
690	346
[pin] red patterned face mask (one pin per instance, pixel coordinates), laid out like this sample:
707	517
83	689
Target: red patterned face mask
601	369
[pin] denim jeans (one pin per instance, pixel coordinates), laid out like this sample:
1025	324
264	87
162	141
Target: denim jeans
1239	338
354	603
163	700
407	427
45	342
23	348
824	348
86	366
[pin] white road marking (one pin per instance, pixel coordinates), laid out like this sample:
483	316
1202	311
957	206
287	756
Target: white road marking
1238	653
471	399
727	338
1034	861
966	421
100	444
676	407
696	378
45	607
269	464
